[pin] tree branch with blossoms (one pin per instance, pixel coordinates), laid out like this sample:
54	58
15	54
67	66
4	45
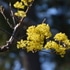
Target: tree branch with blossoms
17	27
37	37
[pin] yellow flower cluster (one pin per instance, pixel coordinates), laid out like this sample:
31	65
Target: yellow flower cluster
21	44
61	37
26	2
20	13
35	39
21	5
57	47
44	30
36	36
39	32
30	45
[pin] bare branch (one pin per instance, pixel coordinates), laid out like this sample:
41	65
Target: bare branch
44	20
4	48
12	15
2	12
26	12
17	29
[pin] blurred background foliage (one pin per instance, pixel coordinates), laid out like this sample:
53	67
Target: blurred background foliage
57	13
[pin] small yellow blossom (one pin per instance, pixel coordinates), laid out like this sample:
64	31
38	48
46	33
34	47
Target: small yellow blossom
20	13
60	37
57	47
61	51
19	5
44	29
67	42
31	29
51	45
34	46
30	0
35	37
21	44
26	2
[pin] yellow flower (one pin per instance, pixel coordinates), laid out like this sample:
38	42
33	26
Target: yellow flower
44	29
21	44
51	45
26	2
30	45
60	37
61	51
19	5
30	0
31	29
67	42
34	46
58	48
20	13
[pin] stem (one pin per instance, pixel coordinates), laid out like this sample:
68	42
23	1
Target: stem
12	15
16	30
2	12
44	20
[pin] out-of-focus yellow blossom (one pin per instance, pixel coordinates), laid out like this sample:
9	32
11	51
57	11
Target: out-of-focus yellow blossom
30	0
61	51
20	13
60	37
67	42
26	2
19	5
58	48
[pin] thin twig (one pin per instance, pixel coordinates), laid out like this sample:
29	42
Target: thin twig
44	20
14	34
12	15
7	20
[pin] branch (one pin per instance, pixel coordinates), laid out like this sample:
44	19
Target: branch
12	15
14	37
44	20
5	47
2	12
